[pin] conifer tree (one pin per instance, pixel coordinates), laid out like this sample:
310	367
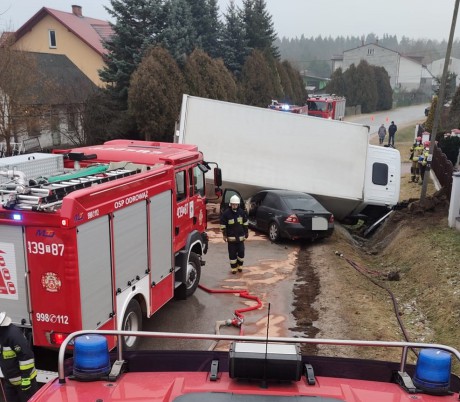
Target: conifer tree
155	95
366	87
430	119
350	78
227	81
337	83
234	49
299	92
384	91
286	85
205	20
137	25
179	35
257	84
208	78
454	111
260	30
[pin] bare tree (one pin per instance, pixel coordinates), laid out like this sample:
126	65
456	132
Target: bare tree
17	74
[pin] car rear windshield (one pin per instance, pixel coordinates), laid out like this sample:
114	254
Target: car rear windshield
303	203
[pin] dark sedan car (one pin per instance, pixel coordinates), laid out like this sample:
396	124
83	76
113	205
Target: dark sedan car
289	214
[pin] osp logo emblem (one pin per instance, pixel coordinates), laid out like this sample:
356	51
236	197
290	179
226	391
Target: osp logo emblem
78	217
45	233
51	282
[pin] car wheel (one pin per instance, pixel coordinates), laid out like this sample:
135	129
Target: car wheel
193	274
274	232
132	321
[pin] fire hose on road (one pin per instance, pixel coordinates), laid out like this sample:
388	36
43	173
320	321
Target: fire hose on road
238	317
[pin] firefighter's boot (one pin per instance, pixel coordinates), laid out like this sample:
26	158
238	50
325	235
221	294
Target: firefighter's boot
234	270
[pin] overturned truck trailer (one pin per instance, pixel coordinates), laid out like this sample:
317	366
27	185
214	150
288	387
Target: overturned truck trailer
259	148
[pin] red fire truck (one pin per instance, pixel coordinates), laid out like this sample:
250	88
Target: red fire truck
326	106
99	237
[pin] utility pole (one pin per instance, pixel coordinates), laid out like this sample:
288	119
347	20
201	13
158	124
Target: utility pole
440	104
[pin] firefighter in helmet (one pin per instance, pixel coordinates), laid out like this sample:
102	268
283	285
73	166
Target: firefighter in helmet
423	160
17	362
234	226
416	151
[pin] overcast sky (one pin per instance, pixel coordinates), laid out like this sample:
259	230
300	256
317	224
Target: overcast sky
415	19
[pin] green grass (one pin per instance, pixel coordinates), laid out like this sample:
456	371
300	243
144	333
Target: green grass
403	141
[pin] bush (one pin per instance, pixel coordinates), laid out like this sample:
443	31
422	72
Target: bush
450	146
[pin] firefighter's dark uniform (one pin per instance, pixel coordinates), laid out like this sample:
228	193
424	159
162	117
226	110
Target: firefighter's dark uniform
17	364
234	225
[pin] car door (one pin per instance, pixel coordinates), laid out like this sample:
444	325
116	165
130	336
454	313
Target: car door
268	210
253	205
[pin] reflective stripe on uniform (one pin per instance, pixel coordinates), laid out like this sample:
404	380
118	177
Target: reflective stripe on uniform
8	353
15	380
27	364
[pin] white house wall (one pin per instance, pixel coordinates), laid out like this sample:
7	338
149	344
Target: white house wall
437	66
404	73
410	74
376	56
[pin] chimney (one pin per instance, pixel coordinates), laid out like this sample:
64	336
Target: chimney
76	10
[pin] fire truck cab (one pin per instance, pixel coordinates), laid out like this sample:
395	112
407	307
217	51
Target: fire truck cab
99	237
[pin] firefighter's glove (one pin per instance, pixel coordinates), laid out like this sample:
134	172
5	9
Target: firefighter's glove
225	238
25	384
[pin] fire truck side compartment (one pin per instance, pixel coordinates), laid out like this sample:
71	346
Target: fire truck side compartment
160	241
130	244
95	272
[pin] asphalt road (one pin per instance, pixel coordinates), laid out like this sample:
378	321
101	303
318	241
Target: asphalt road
401	117
269	274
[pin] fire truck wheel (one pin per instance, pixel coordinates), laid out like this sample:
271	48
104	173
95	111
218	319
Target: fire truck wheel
132	321
193	274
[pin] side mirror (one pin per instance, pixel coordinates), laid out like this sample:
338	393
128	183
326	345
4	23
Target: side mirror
217	177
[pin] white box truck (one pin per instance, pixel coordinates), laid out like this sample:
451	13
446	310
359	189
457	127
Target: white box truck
259	148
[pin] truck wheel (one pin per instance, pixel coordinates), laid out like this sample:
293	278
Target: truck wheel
274	232
132	321
193	274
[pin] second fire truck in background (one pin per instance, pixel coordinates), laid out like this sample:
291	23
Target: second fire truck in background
326	106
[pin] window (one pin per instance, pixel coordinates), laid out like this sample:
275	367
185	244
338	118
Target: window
52	39
370	52
380	174
72	119
271	201
198	180
181	189
190	182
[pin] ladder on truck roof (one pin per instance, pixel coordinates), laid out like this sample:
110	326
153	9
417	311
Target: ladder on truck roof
48	196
